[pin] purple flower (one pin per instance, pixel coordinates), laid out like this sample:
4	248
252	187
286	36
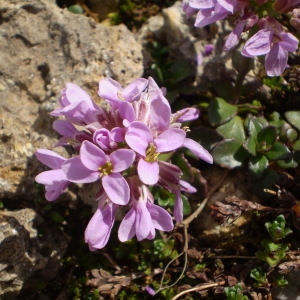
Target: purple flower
273	42
242	24
94	164
141	140
55	180
113	92
70	135
76	105
143	217
198	150
209	11
98	230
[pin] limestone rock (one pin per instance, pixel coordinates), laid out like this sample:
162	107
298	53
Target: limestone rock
20	251
42	48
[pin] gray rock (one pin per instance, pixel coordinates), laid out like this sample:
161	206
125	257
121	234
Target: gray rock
42	48
20	251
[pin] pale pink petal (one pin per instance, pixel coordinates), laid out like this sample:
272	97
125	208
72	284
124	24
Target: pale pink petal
74	93
64	128
92	157
289	42
161	219
143	221
201	4
276	61
49	158
109	89
127	227
133	91
126	111
234	36
148	172
118	134
178	207
198	150
258	44
160	112
98	230
121	159
116	188
138	137
76	172
170	140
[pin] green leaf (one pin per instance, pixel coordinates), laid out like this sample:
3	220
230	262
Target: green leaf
254	126
266	138
258	165
294	118
279	151
233	129
250	145
220	111
229	154
296	145
76	9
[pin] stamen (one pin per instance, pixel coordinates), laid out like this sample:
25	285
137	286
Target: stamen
151	154
106	169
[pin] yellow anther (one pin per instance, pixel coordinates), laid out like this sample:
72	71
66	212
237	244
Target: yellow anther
106	169
151	154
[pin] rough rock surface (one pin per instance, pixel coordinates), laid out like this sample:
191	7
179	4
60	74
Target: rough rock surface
20	251
42	48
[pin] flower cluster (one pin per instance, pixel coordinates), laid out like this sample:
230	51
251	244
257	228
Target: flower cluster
269	37
119	147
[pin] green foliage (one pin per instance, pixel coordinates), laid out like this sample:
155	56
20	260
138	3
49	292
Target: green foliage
253	141
260	277
277	230
273	252
235	293
76	9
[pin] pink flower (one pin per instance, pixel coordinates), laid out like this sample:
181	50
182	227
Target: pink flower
98	230
94	164
143	217
55	180
273	42
141	140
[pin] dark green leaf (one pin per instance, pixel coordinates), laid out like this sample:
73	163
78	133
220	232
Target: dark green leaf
278	151
233	129
250	145
266	138
229	154
258	165
294	118
220	111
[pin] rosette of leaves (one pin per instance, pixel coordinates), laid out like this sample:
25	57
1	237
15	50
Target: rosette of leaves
254	142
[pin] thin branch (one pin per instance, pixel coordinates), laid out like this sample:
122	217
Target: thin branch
199	288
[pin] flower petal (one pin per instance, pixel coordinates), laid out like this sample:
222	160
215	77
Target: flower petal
138	137
98	230
92	157
169	140
133	91
121	159
143	221
148	172
109	89
276	61
76	172
50	158
198	150
116	188
258	44
161	219
127	227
